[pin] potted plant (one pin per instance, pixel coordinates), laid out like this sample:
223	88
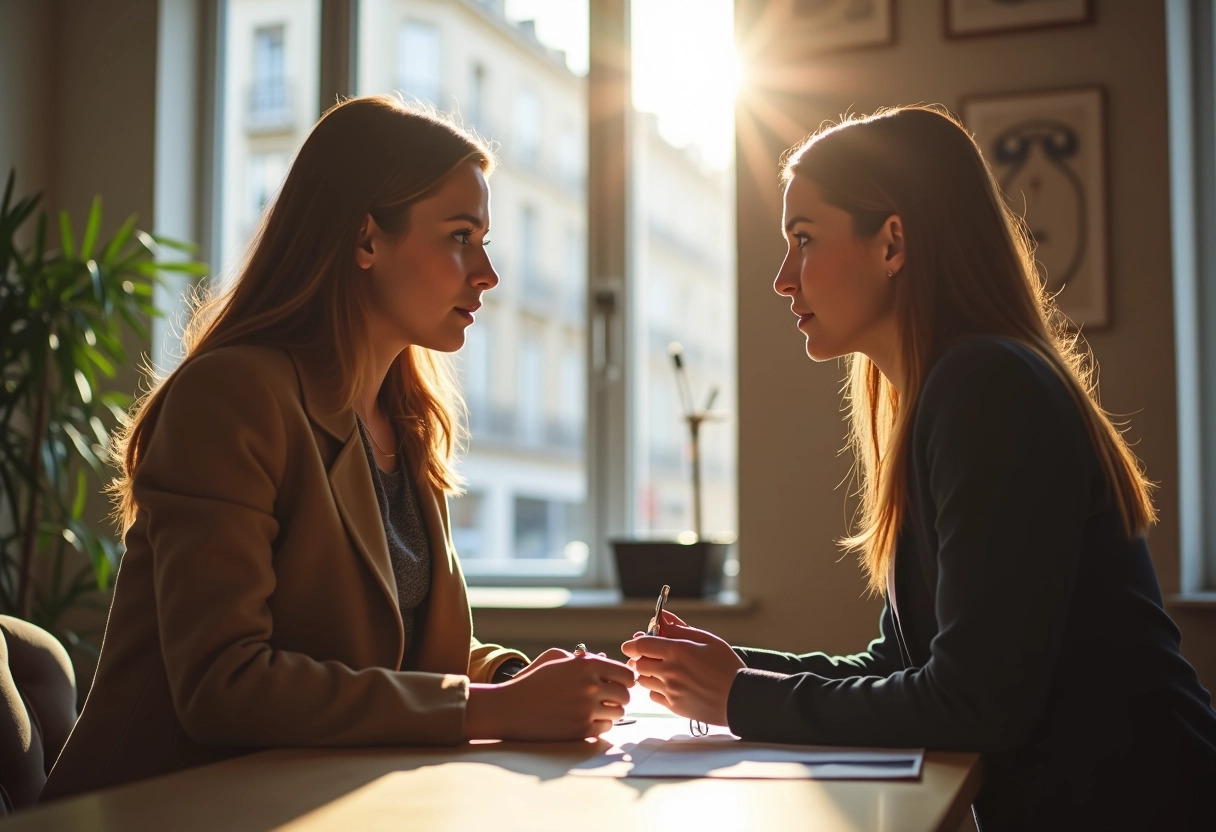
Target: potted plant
65	308
691	564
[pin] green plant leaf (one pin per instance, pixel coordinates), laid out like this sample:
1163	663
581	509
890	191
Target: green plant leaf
92	226
99	286
83	448
119	241
65	235
82	493
100	361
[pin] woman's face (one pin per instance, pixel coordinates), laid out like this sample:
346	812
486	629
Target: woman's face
426	284
837	282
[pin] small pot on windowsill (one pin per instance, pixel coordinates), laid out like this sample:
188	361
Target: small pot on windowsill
693	567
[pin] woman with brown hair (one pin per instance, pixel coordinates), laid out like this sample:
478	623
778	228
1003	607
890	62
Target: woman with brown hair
289	576
1002	513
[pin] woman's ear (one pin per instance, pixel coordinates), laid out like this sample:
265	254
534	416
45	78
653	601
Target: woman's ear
894	248
365	246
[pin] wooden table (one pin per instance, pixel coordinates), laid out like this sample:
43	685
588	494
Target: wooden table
497	786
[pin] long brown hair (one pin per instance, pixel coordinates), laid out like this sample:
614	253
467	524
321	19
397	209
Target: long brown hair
968	269
297	286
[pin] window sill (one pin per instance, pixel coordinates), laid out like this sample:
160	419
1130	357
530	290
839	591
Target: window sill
1192	601
593	600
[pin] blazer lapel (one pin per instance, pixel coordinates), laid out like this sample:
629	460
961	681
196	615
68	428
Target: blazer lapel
350	478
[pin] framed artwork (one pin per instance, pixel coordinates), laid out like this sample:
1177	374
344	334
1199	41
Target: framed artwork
828	25
1047	151
985	17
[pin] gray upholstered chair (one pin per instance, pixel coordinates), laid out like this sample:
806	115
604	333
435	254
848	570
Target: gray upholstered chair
38	698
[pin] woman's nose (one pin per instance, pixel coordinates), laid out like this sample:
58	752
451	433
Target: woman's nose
485	277
783	283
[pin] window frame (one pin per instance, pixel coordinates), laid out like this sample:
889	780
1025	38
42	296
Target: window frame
1191	65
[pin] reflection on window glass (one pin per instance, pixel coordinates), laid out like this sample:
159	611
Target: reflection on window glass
683	259
268	103
515	72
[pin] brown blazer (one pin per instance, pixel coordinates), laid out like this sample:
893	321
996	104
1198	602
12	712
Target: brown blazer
255	605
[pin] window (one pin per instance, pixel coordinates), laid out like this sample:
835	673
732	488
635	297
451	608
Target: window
683	264
266	172
269	105
1192	70
531	391
528	271
271	61
418	60
469	525
577	432
474	110
526	127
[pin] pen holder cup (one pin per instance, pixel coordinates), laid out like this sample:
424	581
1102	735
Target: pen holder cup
692	570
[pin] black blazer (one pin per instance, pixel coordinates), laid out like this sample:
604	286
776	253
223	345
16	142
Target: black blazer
1029	628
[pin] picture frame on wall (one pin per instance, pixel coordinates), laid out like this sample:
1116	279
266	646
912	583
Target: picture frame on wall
831	25
967	18
1047	149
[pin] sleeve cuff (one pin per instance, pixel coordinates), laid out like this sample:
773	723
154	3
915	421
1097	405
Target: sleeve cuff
507	671
754	704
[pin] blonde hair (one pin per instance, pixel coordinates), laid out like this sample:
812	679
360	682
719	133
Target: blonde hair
369	155
969	269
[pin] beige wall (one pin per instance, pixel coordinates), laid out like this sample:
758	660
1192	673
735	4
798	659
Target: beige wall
77	103
28	82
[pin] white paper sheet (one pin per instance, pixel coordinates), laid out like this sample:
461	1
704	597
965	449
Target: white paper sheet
724	756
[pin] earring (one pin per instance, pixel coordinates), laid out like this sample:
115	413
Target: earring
890	273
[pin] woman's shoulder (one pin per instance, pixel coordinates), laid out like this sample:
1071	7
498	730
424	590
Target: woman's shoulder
239	367
243	382
1002	371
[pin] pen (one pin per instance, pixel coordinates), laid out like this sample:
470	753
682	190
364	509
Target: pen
654	628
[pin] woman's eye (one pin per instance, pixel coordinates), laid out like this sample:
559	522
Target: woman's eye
802	239
462	237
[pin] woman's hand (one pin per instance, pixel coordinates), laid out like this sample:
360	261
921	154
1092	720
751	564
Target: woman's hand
687	670
561	698
552	654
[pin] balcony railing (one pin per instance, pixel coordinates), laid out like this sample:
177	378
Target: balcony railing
502	427
269	107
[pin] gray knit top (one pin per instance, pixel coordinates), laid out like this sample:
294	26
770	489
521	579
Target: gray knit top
409	549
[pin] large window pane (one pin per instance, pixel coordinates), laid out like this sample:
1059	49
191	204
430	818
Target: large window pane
515	72
268	101
682	262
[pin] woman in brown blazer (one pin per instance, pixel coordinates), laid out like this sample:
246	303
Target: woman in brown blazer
289	576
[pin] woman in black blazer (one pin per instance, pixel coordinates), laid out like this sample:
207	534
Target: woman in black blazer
1003	515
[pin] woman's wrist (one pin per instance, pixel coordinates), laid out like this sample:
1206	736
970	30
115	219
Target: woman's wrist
485	712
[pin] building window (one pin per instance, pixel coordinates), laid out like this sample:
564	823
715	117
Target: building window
469	525
270	59
527	127
474	111
266	172
531	390
418	60
269	96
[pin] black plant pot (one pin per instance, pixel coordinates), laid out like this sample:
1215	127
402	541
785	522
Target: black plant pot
692	570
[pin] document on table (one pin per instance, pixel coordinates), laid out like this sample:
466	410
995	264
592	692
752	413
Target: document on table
726	757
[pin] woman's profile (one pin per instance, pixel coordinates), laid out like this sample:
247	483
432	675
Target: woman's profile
289	576
1003	515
